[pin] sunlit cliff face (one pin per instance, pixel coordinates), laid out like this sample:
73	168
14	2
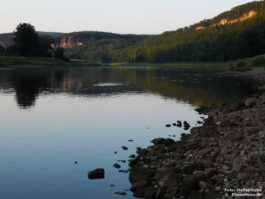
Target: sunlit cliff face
222	22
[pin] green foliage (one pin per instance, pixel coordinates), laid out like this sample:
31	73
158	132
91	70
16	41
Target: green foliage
2	50
58	53
241	64
215	43
258	61
27	43
26	40
219	43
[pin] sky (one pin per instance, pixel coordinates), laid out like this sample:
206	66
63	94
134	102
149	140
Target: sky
118	16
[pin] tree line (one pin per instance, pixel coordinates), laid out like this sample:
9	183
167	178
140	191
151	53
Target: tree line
28	43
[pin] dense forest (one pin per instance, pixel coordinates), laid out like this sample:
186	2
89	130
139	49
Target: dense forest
234	34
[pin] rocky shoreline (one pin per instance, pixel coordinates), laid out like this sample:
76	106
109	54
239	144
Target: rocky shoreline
223	158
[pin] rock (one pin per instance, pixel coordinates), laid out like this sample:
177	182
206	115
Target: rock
130	140
249	102
124	148
75	162
142	151
218	188
120	193
186	125
168	142
117	166
138	185
174	124
210	172
123	171
115	152
140	174
145	192
132	156
123	161
158	141
192	182
189	169
168	125
161	192
179	124
112	185
97	174
203	186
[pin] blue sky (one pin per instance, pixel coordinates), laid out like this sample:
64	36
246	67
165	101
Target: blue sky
119	16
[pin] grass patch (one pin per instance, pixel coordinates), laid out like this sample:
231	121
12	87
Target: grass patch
11	61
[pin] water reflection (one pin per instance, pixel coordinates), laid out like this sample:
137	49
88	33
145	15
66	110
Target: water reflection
192	86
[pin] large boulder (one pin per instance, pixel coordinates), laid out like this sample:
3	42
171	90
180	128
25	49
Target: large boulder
96	174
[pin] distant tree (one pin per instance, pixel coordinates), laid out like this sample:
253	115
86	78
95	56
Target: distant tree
2	50
26	40
44	48
58	53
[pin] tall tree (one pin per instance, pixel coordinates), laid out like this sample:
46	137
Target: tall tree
26	40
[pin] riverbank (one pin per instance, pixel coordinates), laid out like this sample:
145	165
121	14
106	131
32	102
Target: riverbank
225	156
244	64
6	61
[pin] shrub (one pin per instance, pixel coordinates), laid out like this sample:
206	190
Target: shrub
241	64
258	61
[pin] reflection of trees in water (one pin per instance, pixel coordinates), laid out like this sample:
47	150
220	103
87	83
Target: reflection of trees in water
28	85
196	89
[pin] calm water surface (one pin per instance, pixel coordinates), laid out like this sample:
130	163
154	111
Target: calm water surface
52	117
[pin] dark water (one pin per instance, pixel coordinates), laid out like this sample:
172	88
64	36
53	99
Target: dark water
51	117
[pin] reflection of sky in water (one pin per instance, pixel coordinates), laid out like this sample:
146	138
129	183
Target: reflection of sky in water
108	84
52	117
38	146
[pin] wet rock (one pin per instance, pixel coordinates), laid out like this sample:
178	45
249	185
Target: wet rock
112	185
130	140
186	125
115	152
140	174
179	124
117	166
138	185
120	193
123	161
145	192
168	142
75	162
168	125
124	148
142	151
132	156
158	141
123	171
97	174
174	124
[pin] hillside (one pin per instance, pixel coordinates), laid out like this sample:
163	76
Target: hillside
95	46
234	34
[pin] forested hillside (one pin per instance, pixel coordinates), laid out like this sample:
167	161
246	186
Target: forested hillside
234	34
96	46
